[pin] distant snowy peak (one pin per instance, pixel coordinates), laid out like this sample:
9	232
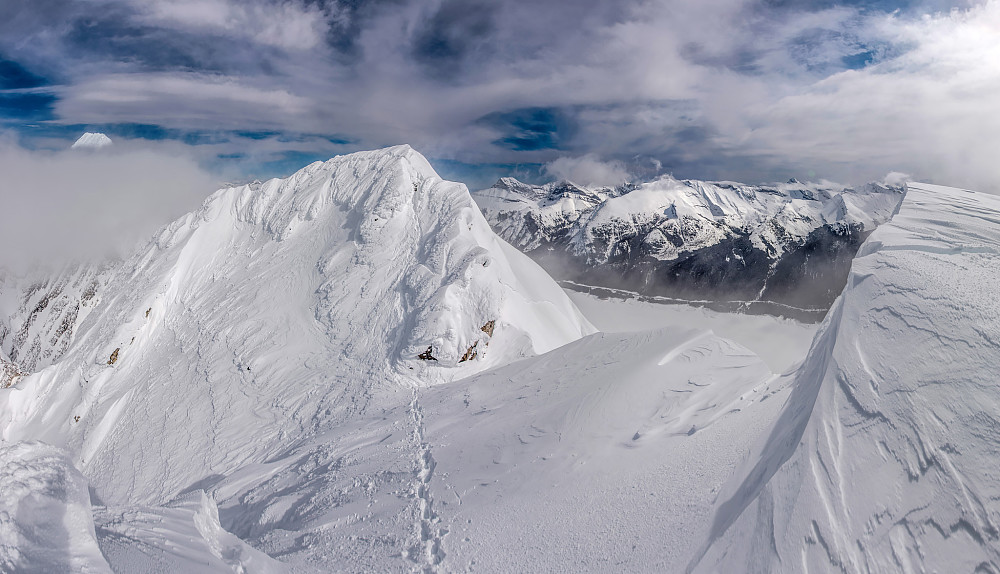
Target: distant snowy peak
689	235
92	140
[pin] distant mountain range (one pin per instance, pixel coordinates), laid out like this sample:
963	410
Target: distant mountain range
789	244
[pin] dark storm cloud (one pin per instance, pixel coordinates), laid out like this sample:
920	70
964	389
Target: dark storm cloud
347	19
116	38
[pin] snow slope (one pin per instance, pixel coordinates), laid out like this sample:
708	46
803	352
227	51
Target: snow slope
780	343
601	456
884	459
788	242
273	323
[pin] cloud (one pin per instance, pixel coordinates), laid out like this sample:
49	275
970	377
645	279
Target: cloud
73	204
186	99
288	25
896	178
931	112
728	89
587	170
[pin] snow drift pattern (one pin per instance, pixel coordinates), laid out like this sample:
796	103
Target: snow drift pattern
888	445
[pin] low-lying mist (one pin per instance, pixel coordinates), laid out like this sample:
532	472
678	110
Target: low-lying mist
78	204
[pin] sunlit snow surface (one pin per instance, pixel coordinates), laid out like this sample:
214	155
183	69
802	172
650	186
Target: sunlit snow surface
91	140
266	410
781	343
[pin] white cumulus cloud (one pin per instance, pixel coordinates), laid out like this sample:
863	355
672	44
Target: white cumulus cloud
587	170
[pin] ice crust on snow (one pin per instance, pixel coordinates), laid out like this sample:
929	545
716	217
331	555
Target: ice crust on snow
92	140
884	458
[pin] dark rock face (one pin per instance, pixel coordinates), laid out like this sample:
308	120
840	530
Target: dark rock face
815	273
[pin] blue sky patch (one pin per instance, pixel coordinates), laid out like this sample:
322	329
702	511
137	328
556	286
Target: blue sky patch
530	129
13	76
483	175
26	106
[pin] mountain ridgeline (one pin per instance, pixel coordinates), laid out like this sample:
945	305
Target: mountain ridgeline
784	248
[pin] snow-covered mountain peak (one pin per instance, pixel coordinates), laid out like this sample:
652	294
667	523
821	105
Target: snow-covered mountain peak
92	140
351	277
403	226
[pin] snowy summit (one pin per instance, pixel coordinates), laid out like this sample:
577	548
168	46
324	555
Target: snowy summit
92	140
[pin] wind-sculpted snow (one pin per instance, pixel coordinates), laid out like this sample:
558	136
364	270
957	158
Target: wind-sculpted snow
46	524
884	459
789	243
183	536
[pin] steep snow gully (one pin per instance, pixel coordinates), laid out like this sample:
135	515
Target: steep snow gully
347	370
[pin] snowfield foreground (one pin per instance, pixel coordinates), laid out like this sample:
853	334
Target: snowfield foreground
346	370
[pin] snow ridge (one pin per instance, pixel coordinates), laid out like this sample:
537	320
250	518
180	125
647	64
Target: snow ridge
886	445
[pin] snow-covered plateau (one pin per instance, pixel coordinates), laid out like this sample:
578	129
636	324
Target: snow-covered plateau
348	371
789	244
